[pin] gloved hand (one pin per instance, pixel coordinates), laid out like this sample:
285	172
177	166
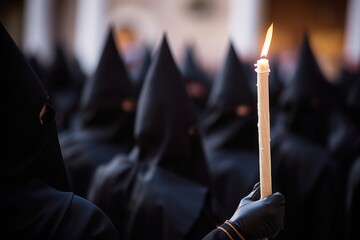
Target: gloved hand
259	218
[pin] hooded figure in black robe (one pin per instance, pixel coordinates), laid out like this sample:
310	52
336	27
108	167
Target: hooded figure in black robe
276	86
198	84
105	120
63	89
352	217
36	199
346	79
304	169
230	130
352	207
161	190
344	137
140	73
353	98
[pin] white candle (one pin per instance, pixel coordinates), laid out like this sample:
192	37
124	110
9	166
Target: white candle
263	69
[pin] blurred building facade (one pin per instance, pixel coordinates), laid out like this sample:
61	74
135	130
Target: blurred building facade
208	25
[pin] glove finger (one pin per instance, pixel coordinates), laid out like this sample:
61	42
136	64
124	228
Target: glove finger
277	198
256	192
256	186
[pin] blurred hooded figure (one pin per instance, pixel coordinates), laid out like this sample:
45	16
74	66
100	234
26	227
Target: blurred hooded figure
36	199
352	220
230	134
353	98
304	168
165	179
344	137
64	89
276	86
63	79
352	210
346	79
197	82
105	120
140	73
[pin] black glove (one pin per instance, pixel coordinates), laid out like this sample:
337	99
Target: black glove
262	218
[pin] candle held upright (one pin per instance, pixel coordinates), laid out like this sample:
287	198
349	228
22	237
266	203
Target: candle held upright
263	70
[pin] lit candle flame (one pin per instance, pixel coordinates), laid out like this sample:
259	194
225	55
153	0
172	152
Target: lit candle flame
267	42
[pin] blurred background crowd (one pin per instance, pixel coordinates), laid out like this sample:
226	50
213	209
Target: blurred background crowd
79	28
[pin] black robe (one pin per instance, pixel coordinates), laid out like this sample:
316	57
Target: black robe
34	210
308	176
352	210
198	84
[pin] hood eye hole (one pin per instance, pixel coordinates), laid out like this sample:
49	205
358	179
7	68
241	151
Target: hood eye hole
46	115
243	110
192	131
128	105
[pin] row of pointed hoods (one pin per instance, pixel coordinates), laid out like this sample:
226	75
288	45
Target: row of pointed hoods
165	114
308	80
160	97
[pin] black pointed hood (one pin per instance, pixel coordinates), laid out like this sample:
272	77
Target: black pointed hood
309	99
276	83
166	122
191	70
62	88
346	80
78	77
353	97
77	74
231	86
308	80
223	126
140	74
59	74
197	82
31	147
107	88
276	87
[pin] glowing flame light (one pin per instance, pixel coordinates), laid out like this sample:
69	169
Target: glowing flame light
267	42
